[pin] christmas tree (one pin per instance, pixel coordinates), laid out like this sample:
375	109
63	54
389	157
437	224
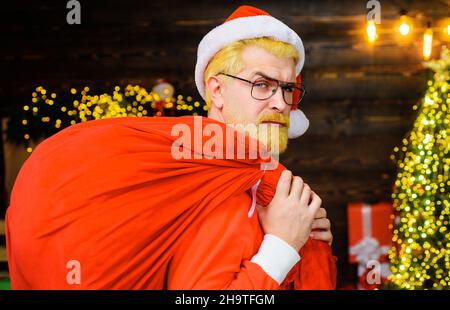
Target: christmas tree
420	257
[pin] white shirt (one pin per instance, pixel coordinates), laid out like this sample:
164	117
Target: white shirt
276	257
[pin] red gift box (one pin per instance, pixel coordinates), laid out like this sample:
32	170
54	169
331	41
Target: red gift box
370	238
369	230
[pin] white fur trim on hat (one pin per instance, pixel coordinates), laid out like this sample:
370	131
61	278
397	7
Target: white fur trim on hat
239	29
298	124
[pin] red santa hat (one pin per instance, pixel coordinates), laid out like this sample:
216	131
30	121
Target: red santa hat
248	22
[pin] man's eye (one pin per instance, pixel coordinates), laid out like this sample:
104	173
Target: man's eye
288	89
262	85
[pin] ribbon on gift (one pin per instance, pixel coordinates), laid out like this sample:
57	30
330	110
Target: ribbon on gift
368	248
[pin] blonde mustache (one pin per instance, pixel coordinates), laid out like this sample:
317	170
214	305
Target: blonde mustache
278	118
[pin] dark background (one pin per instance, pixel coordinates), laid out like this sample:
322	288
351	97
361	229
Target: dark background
359	97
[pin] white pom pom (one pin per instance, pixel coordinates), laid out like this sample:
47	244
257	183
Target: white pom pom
298	124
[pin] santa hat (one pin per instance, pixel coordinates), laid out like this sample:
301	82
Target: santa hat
248	22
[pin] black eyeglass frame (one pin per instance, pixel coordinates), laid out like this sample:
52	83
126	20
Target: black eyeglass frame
283	86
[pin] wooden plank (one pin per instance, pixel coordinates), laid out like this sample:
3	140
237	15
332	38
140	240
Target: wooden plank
100	11
334	118
95	64
108	23
375	86
3	254
354	185
319	154
20	37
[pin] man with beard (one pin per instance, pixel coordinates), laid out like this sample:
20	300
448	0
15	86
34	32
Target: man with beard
253	81
104	205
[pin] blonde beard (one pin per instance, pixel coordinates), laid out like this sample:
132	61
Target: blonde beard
274	137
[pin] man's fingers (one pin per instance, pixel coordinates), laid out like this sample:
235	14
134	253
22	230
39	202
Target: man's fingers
296	187
284	184
316	202
305	196
321	213
322	223
322	235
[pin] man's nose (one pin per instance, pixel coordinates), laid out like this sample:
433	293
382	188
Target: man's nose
277	101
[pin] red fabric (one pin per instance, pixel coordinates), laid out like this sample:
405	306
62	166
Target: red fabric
381	224
246	11
110	195
296	94
213	265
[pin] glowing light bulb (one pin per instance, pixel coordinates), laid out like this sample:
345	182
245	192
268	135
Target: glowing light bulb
427	43
404	27
371	31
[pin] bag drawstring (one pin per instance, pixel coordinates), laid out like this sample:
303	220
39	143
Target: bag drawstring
254	189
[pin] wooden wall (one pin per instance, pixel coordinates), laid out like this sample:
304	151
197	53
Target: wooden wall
359	97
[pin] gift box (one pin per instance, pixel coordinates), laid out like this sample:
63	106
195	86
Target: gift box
369	230
370	238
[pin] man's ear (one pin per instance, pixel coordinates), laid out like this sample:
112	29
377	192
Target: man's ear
216	90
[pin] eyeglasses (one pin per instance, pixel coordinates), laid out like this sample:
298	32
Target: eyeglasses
264	88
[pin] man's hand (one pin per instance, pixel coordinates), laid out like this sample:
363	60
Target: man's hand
321	227
290	215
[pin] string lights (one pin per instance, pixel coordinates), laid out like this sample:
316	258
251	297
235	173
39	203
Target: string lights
405	29
46	115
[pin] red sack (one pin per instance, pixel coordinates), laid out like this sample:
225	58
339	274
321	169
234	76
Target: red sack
109	195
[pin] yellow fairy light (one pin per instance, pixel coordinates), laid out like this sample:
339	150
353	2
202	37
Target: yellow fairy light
427	43
128	103
421	261
404	27
371	31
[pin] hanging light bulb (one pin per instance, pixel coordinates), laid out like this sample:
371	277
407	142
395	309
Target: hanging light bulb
404	27
427	41
371	31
